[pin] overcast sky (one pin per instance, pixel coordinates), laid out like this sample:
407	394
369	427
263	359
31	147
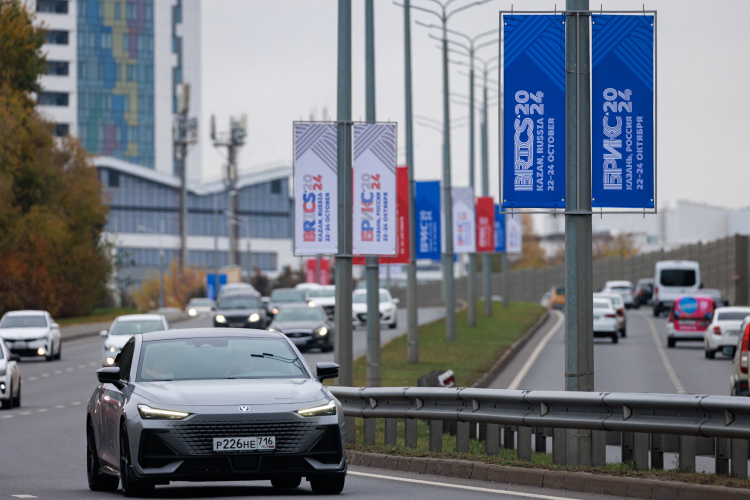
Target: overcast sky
276	62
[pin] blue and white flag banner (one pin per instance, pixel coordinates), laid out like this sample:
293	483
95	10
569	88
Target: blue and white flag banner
533	81
315	189
427	219
499	230
464	220
513	234
374	188
622	111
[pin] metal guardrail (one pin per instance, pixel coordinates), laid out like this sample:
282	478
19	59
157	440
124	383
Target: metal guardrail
690	425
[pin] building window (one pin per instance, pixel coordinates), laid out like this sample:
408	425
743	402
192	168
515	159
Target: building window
61	129
276	186
106	39
52	6
132	72
132	11
118	10
60	68
114	179
52	99
126	41
56	37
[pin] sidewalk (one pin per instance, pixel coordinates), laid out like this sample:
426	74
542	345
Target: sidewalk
84	330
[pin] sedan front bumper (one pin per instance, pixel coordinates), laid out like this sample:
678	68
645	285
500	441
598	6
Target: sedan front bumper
29	347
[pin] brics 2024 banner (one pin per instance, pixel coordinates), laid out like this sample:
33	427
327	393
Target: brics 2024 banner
622	111
533	54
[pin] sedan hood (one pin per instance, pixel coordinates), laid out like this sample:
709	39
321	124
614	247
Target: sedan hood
231	392
238	312
23	333
117	340
283	326
362	307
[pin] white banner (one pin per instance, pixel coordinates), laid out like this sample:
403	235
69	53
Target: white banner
374	187
464	220
315	189
513	234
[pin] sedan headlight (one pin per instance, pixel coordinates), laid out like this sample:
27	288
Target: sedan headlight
220	318
254	317
192	312
318	411
311	303
275	310
322	331
158	414
110	348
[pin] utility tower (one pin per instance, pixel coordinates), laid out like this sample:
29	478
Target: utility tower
184	133
231	140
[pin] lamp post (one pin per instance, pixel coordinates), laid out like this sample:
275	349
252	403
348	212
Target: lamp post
450	307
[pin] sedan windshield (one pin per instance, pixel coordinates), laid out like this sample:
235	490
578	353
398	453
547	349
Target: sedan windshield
242	302
361	298
301	314
287	296
24	322
201	302
218	358
322	293
732	315
136	326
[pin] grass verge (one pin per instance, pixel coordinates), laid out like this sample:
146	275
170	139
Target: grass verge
470	356
98	315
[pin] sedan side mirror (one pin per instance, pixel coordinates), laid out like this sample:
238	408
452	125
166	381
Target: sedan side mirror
396	301
326	370
15	357
55	325
110	375
103	333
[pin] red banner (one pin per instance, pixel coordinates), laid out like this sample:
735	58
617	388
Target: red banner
310	271
325	272
402	217
485	224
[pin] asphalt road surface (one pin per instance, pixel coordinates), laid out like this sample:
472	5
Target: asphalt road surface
640	362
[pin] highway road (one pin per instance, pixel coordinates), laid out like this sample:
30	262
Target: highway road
640	362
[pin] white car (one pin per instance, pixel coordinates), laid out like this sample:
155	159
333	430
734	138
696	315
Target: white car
325	297
605	319
624	288
724	329
124	327
388	308
31	333
200	305
10	378
618	305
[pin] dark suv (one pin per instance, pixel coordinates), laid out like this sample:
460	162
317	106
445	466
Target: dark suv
240	310
643	292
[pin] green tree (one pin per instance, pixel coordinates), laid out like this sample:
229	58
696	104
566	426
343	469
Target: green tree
51	209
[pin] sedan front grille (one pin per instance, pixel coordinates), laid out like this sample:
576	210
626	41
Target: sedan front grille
196	438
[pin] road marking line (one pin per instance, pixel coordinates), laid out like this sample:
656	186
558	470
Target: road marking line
81	366
59	406
93	363
58	372
25	413
42	410
7	416
32	378
24	496
535	354
75	403
664	359
456	486
44	375
69	369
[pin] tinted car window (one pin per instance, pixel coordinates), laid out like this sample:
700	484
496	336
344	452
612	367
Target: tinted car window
287	296
678	277
601	305
138	326
201	302
126	360
322	293
218	358
240	302
560	290
731	316
23	322
301	314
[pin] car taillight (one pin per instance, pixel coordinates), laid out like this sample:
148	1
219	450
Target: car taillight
670	318
717	330
743	350
620	312
609	315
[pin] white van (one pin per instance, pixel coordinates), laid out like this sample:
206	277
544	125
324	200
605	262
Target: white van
672	279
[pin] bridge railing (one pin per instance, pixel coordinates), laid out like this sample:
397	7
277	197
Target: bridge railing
645	425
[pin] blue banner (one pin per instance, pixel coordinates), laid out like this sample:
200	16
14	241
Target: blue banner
427	212
499	230
210	282
534	118
622	111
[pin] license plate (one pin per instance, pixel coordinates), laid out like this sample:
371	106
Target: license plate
300	340
597	317
252	443
21	345
236	325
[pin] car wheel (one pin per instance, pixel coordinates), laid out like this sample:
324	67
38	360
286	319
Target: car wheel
8	404
286	482
614	338
17	399
393	325
97	481
657	310
130	486
671	342
332	485
710	354
623	333
59	351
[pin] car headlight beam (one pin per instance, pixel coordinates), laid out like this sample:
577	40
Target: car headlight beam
220	318
147	412
254	317
322	331
318	411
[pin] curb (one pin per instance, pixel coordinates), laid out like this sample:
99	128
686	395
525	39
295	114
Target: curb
581	482
510	354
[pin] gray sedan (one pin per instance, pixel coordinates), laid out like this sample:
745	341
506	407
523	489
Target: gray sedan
214	405
307	327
